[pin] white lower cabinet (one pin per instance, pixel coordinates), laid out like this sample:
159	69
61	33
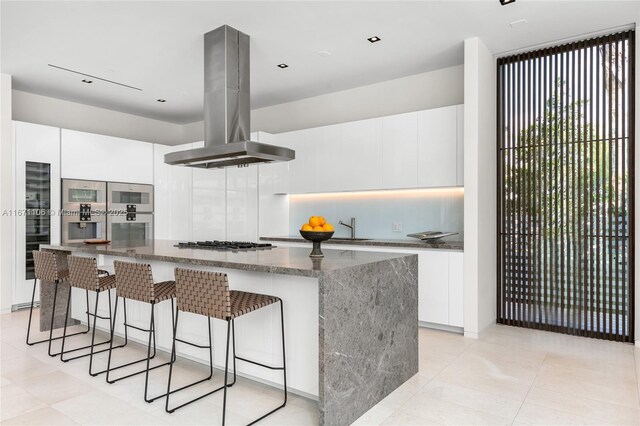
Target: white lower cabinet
433	287
456	286
440	285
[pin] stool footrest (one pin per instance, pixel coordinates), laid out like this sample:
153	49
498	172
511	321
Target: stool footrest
137	328
85	347
270	367
137	372
196	399
193	344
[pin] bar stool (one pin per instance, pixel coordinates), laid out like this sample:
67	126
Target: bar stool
84	274
135	281
208	294
47	269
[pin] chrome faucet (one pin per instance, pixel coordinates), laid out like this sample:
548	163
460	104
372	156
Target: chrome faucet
352	227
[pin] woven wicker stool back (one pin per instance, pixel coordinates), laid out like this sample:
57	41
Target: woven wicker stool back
134	280
45	265
83	272
203	293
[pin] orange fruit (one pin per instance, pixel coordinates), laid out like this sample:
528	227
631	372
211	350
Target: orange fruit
314	221
306	227
327	227
318	229
322	220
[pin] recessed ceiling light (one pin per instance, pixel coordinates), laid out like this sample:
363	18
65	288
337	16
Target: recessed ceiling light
87	81
374	39
162	100
283	66
506	2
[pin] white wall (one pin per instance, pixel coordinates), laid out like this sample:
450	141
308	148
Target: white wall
480	188
6	194
74	116
432	89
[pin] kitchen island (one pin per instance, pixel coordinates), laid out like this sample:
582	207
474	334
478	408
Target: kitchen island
351	318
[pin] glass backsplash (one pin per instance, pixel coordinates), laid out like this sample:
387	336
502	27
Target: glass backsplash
376	212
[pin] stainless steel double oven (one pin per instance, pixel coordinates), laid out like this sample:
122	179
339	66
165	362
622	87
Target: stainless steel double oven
106	210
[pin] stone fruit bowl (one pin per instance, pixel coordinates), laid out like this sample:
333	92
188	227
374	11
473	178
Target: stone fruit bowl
316	238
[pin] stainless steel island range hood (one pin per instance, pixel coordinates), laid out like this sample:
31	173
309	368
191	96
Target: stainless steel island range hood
227	121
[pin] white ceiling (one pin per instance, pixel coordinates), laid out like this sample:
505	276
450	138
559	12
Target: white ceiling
157	45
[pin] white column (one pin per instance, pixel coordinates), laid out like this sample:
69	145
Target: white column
6	195
479	188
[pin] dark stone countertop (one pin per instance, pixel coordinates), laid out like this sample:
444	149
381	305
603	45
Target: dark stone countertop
449	243
279	260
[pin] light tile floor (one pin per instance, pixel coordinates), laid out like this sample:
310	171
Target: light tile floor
510	376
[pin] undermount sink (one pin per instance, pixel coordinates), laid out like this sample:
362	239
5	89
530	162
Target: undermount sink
350	239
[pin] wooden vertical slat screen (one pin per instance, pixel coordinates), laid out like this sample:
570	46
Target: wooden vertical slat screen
566	188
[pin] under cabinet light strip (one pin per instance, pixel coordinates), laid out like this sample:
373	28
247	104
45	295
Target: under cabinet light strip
390	193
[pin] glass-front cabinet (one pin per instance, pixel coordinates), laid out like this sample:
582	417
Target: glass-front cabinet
37	210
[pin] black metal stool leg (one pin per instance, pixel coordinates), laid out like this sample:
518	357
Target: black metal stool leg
93	333
33	298
283	368
147	359
173	350
226	371
53	315
93	344
51	338
152	333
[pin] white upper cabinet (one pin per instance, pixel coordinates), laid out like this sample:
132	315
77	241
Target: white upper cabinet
349	156
437	147
99	157
421	149
399	150
302	170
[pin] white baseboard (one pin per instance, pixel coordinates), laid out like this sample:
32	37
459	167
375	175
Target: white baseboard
442	327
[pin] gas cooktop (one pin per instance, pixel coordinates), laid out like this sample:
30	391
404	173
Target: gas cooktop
225	245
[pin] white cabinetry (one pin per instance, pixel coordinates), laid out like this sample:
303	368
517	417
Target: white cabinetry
440	291
421	149
349	156
437	147
399	150
99	157
41	144
173	214
273	177
456	285
242	203
440	284
433	287
273	184
302	170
